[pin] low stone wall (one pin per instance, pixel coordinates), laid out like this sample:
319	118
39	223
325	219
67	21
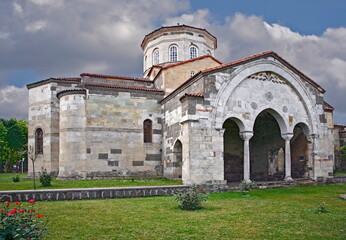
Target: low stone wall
88	193
340	179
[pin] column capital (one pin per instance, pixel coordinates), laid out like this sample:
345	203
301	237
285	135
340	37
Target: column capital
287	136
246	135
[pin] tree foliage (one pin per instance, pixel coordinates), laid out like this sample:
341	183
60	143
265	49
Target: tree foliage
343	151
13	142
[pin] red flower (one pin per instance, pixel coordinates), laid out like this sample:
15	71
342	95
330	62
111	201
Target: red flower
8	203
39	216
31	201
17	203
1	210
21	210
28	239
29	211
14	208
12	212
200	191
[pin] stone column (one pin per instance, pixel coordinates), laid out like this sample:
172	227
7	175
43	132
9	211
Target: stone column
287	137
246	136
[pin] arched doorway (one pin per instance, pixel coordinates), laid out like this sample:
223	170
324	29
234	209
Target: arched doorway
177	159
233	152
267	156
299	151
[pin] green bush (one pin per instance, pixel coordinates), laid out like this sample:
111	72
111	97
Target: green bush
191	199
16	179
45	178
246	186
20	222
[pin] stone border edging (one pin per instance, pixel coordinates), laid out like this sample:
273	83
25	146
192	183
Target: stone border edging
89	193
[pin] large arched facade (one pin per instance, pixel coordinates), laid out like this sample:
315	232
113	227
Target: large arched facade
267	110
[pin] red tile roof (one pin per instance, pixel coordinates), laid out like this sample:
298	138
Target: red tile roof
184	62
199	95
264	54
191	60
68	79
244	60
124	87
327	107
114	77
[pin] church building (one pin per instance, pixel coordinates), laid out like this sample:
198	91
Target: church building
189	117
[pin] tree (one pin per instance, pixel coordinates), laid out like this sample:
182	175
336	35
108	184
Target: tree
13	140
343	149
32	155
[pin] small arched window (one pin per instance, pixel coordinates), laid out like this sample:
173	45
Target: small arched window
147	130
209	52
156	57
193	52
173	53
39	141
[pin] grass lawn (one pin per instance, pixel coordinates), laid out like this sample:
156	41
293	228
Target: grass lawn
27	184
340	174
286	213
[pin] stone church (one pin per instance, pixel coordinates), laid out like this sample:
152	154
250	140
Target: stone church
189	117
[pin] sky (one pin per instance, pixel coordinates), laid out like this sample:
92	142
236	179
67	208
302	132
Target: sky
40	39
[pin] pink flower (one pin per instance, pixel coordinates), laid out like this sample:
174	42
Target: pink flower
31	201
21	210
12	212
200	191
39	216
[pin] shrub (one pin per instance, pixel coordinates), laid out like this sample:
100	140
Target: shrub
45	178
246	186
191	199
20	222
16	179
322	208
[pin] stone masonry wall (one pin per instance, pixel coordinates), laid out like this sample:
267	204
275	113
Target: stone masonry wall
114	135
44	114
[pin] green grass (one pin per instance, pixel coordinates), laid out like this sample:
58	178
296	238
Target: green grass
27	184
286	213
340	174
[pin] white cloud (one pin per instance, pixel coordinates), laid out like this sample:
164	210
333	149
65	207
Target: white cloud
51	3
13	102
36	26
17	8
4	35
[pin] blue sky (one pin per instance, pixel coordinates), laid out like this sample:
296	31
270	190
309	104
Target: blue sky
303	16
60	38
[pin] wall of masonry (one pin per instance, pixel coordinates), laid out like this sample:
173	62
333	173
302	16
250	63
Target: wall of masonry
112	142
44	114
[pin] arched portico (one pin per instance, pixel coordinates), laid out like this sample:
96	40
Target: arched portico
300	151
228	86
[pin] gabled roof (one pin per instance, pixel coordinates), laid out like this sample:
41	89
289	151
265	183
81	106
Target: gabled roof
182	63
114	77
49	80
263	55
243	61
